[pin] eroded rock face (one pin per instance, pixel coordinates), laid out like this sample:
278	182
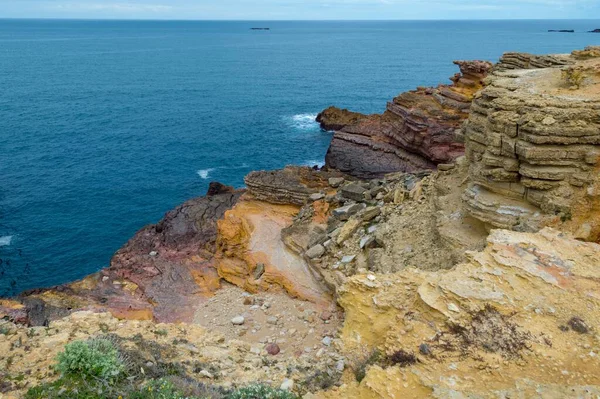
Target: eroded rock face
417	130
161	273
492	317
533	143
292	185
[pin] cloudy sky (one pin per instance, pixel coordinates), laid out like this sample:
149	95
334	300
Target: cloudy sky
301	9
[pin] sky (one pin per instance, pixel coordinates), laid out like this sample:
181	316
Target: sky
301	9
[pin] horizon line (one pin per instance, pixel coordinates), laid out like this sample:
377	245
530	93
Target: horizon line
294	20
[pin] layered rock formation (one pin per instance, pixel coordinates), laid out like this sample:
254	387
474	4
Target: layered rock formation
435	305
533	141
417	130
518	319
161	273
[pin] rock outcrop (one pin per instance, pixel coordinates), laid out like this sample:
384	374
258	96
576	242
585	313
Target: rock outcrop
519	319
161	273
292	185
417	130
533	142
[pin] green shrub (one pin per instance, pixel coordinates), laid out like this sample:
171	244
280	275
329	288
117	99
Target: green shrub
93	359
261	392
158	389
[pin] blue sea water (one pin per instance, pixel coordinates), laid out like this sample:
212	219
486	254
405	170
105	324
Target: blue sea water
106	125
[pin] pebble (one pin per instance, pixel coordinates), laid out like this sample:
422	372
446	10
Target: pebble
153	253
326	341
348	259
272	320
273	349
287	385
453	308
206	374
339	366
238	320
317	196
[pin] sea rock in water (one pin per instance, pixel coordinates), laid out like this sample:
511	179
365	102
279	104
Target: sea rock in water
417	131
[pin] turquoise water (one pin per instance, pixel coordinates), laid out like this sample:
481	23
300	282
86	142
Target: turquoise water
104	126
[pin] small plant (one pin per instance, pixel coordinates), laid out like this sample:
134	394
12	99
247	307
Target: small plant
402	358
158	389
4	330
162	332
360	366
93	359
259	391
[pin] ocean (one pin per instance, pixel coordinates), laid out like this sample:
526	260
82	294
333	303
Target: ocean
106	125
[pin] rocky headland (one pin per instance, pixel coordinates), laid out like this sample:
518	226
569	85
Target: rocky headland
449	248
416	132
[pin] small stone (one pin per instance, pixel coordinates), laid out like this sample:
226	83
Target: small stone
353	191
399	196
272	320
339	366
453	308
105	279
316	196
259	271
344	212
366	241
549	120
238	320
287	385
577	324
326	341
153	253
326	315
315	252
347	230
425	349
444	167
307	349
348	259
272	349
371	277
336	181
370	213
372	229
248	300
206	374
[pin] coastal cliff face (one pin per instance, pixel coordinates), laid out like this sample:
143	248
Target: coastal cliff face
417	130
533	139
479	279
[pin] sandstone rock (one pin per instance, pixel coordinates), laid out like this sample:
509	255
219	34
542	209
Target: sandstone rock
529	142
347	230
344	212
501	287
353	191
370	213
316	252
335	182
316	196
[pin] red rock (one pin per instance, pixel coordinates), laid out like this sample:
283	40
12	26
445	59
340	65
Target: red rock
326	315
273	349
417	130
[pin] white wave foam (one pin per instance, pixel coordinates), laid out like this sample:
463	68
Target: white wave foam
204	173
305	121
5	240
312	163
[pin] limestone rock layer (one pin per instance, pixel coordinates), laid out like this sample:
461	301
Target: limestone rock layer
533	143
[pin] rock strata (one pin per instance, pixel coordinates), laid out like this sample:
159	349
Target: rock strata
533	144
417	130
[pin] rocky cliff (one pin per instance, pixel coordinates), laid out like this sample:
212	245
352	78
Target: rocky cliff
478	279
532	139
417	130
